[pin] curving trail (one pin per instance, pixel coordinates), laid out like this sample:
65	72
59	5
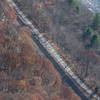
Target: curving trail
67	75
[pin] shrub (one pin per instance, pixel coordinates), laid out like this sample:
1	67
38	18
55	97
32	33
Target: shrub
88	33
78	9
96	21
95	41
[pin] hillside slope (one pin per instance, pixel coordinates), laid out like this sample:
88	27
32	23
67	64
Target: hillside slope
61	24
25	73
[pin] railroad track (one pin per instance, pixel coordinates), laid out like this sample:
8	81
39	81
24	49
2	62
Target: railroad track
50	50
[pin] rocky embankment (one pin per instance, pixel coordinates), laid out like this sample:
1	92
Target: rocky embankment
92	5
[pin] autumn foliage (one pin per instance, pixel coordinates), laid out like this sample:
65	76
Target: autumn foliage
28	75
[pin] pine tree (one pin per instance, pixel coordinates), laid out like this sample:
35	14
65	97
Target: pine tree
96	21
88	33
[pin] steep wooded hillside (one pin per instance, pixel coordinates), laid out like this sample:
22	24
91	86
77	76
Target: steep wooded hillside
64	23
25	73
